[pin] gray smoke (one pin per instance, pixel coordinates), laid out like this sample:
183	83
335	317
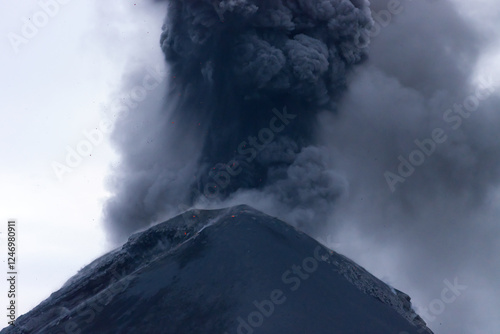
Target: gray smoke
238	119
237	65
439	219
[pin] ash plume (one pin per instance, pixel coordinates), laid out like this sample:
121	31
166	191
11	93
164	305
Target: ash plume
238	118
442	221
233	65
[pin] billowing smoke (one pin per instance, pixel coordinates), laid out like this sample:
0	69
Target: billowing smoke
417	136
413	145
246	81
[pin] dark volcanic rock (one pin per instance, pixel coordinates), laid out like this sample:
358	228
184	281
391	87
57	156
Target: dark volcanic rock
225	271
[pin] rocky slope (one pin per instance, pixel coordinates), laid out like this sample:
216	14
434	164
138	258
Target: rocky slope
226	271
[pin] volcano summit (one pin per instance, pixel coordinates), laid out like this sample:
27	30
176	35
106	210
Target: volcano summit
227	271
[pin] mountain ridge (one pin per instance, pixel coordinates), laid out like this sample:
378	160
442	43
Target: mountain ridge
234	270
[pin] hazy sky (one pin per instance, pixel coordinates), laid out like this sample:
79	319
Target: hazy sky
58	85
55	88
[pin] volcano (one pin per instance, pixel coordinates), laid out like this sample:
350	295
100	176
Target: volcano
226	271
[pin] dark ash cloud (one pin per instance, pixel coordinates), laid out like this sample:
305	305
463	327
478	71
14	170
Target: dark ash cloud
234	67
442	222
234	64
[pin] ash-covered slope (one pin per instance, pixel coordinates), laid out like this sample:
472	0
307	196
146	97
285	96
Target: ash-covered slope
226	271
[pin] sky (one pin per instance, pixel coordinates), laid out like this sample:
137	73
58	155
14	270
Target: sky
55	88
439	226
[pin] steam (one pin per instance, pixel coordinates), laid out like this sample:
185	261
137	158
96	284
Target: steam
247	79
